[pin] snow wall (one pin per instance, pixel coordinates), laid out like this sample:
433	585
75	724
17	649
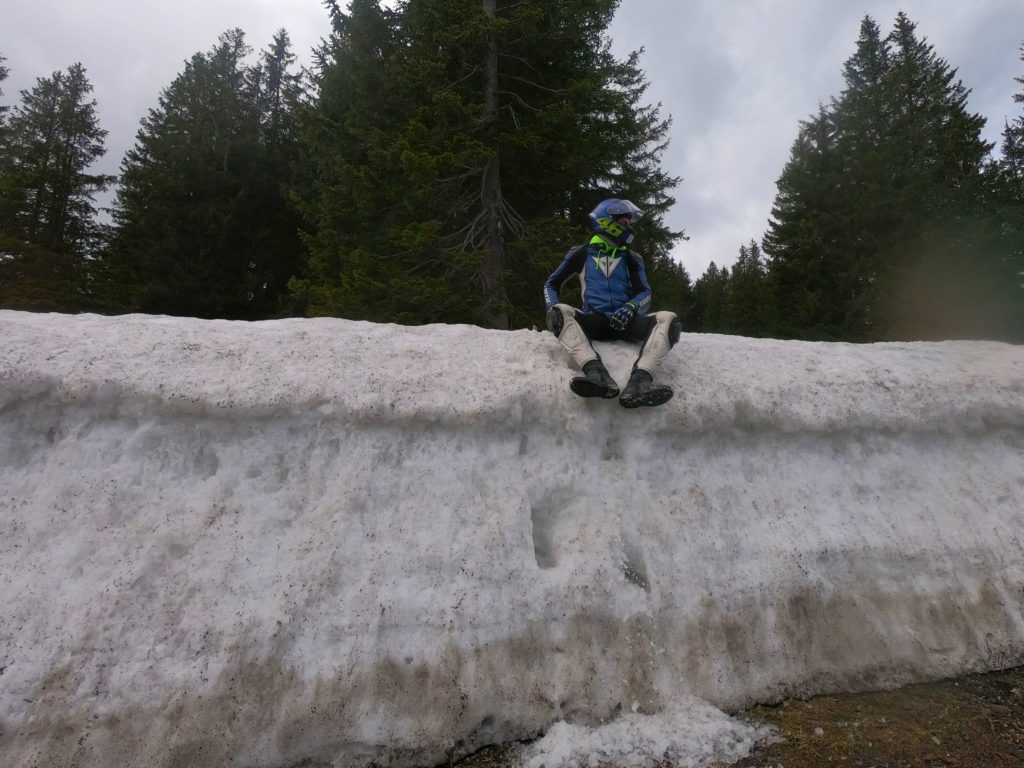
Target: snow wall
323	542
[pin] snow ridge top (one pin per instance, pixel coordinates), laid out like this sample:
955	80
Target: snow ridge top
460	375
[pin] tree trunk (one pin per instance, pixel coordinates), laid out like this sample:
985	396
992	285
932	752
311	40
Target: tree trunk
491	198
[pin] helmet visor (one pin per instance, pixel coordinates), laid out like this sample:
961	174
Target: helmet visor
621	208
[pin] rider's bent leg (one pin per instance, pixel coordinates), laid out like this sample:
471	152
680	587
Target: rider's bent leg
562	323
662	337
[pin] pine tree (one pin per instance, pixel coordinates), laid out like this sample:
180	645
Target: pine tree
711	292
274	87
747	306
6	183
882	225
48	227
947	277
670	283
833	212
203	228
3	76
1013	139
804	243
274	243
491	125
353	207
1007	181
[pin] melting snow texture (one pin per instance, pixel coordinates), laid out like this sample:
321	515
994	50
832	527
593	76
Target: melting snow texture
338	542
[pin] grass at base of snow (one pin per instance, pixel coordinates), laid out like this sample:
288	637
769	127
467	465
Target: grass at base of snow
975	721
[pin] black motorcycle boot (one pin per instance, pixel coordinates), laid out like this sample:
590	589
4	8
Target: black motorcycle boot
595	382
642	391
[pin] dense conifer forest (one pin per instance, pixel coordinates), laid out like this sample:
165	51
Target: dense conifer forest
437	160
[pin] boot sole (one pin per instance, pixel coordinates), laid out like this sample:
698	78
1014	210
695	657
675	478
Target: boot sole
657	395
586	388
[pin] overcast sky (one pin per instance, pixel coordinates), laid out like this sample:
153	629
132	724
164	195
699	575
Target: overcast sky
736	76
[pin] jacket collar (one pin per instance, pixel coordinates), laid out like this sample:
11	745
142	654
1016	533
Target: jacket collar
603	243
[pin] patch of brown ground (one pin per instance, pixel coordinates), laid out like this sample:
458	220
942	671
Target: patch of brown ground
970	722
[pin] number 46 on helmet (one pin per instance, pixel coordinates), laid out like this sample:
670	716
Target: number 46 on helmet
613	217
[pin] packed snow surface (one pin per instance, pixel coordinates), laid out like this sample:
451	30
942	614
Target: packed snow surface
323	542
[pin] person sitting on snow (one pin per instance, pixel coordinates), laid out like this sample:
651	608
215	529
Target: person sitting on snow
616	298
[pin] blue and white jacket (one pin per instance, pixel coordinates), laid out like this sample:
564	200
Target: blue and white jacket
609	277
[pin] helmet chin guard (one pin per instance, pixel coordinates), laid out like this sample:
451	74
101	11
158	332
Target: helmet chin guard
605	219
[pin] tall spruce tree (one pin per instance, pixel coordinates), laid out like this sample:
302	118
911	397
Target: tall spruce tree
1013	138
711	297
670	282
882	226
4	152
748	305
1009	193
948	275
275	244
448	190
48	226
351	207
4	71
202	225
807	250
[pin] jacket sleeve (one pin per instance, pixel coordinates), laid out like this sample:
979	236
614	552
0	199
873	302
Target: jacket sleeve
571	265
638	283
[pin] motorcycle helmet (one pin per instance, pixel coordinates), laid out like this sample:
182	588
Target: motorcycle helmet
604	219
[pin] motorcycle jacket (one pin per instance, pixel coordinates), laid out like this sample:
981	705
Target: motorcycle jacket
609	277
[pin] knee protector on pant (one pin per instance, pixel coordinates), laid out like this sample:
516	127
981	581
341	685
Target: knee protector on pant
570	334
675	330
661	339
554	320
